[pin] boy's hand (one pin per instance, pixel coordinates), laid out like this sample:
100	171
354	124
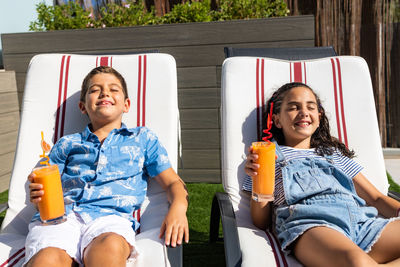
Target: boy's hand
251	167
35	190
175	226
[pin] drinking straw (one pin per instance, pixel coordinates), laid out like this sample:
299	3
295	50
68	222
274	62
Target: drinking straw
43	144
269	125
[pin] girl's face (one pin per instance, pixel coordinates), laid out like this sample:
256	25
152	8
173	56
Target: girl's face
298	117
105	100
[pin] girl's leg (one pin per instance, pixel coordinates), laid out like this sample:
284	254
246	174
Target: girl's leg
51	257
108	249
387	248
323	246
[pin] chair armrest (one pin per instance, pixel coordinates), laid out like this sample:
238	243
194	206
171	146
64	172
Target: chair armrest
3	207
175	256
394	195
222	209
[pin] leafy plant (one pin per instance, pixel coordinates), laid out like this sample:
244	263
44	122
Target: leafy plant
131	13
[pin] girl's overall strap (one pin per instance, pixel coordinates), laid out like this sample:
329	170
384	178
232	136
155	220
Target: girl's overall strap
278	152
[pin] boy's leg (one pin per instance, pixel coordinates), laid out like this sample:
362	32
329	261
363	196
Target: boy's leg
108	239
58	243
108	249
51	256
323	246
387	248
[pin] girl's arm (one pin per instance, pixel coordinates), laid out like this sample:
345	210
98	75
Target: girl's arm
260	211
386	206
175	225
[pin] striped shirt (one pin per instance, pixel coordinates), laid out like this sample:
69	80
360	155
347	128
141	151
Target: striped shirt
345	164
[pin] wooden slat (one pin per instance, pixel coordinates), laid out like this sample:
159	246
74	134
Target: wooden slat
9	102
200	159
8	142
6	163
199	118
199	98
257	30
7	81
4	181
201	139
195	77
9	121
200	176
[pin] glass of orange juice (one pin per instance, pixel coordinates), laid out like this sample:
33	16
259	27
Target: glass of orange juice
51	206
264	181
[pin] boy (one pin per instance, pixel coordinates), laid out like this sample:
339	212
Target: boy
104	175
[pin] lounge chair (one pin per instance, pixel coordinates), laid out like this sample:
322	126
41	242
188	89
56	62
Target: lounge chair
50	104
344	86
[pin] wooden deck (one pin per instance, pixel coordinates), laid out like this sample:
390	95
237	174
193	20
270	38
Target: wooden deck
198	50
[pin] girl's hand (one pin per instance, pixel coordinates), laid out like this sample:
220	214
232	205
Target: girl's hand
251	167
175	226
35	190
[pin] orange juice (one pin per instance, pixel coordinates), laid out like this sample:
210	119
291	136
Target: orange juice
51	206
264	181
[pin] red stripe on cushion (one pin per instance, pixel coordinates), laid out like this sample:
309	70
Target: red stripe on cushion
59	99
258	98
341	102
297	72
336	99
104	61
12	257
262	89
144	90
305	72
65	97
274	248
17	260
138	92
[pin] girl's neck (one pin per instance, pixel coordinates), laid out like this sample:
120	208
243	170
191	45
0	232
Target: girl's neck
302	144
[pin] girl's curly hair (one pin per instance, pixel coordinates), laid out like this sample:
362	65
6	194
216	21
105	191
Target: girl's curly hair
321	140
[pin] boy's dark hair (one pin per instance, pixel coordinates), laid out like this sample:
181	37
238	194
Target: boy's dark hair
100	70
321	140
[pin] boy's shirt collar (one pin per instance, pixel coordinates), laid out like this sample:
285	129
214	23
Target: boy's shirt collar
88	135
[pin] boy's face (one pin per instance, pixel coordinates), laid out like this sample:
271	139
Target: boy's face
105	101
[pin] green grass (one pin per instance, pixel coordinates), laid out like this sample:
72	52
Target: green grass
199	252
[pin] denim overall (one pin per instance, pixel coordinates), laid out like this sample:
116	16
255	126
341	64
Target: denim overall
319	194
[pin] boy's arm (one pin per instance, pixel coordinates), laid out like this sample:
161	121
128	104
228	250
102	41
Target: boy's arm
175	225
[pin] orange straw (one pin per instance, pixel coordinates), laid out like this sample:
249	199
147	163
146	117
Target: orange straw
44	146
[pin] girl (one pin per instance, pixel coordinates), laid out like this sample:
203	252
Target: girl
325	210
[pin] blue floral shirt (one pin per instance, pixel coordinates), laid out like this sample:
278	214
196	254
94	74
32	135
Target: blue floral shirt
109	178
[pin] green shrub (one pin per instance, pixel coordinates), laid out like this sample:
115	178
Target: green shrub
250	9
69	16
73	16
188	12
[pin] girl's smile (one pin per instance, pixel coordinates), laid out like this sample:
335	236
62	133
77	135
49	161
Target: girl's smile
298	117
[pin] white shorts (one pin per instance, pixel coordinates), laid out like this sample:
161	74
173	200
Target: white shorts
74	235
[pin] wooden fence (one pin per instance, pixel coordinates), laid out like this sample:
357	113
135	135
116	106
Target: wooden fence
198	50
9	120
